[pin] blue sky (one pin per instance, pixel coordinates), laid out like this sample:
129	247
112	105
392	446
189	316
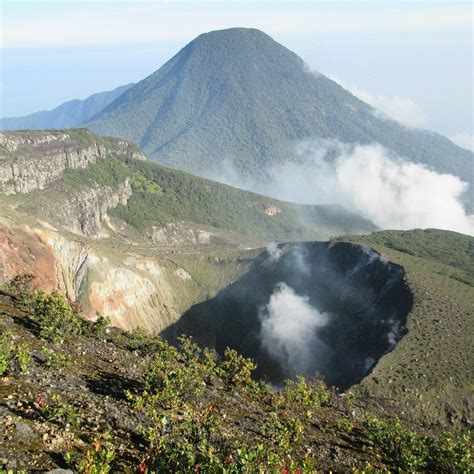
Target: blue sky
412	59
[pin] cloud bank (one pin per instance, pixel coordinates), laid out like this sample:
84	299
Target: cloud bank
401	109
35	24
391	192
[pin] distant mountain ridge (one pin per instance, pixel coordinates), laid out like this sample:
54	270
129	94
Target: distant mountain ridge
237	96
68	114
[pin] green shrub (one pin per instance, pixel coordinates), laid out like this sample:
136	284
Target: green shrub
411	452
20	283
237	370
54	359
98	458
194	441
170	382
306	395
138	339
448	454
58	410
14	357
101	325
405	448
345	424
55	317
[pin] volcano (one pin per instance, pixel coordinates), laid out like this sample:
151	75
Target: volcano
237	100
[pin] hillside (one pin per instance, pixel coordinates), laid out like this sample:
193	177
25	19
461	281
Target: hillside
151	195
148	246
79	396
433	358
90	216
68	114
236	99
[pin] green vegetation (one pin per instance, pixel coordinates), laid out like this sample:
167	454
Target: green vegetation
184	409
55	359
106	172
413	453
55	317
101	326
162	195
14	356
442	246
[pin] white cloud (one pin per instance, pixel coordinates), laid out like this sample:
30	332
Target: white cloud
465	140
391	192
33	24
401	109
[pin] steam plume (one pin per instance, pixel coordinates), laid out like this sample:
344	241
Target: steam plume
289	330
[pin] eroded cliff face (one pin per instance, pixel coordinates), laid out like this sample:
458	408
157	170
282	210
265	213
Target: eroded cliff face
31	161
84	211
36	161
134	291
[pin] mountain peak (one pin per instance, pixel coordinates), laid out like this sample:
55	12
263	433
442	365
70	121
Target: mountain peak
240	48
234	33
237	36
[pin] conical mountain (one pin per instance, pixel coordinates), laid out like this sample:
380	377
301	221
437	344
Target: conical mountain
237	96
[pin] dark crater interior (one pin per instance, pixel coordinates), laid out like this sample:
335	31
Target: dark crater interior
364	300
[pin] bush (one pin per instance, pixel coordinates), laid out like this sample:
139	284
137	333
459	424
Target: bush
20	283
303	394
98	457
237	370
55	317
14	357
59	411
411	452
101	325
56	360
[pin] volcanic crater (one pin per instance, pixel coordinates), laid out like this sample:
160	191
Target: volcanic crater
315	309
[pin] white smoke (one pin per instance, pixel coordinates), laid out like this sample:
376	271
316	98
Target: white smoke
289	329
274	251
393	336
391	192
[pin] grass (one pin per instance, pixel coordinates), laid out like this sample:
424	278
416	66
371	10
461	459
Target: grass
434	357
449	248
162	195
